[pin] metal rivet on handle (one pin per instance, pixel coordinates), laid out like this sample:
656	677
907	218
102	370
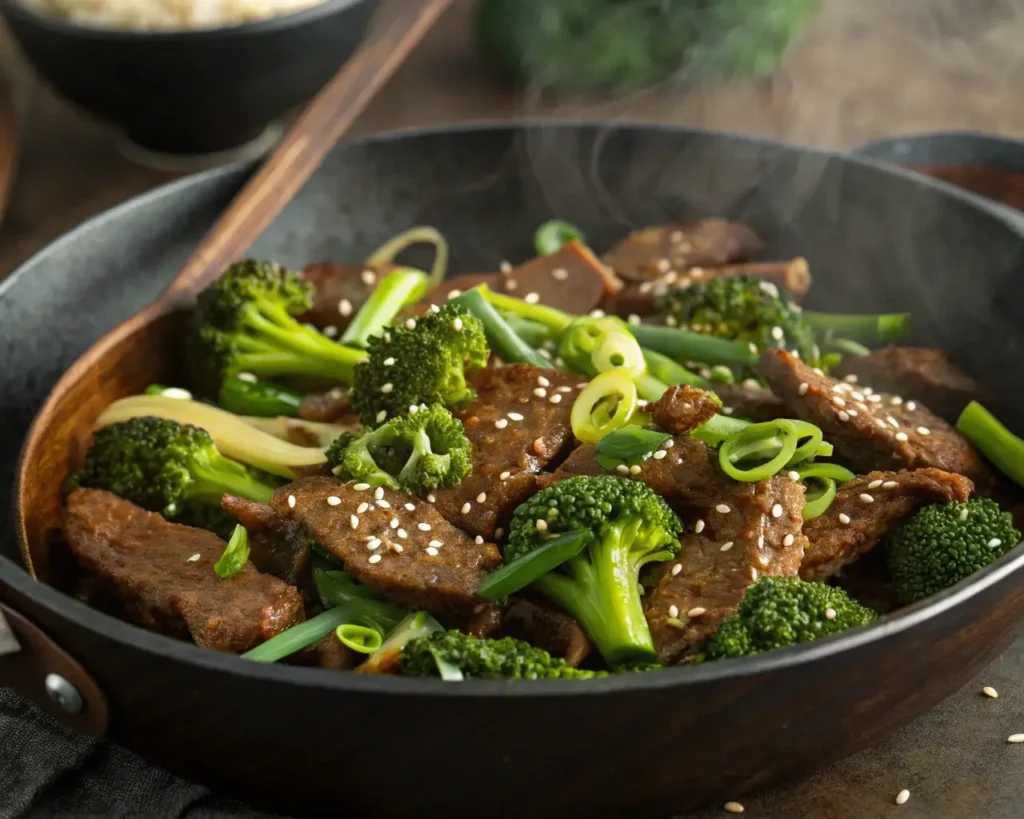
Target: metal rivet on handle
64	694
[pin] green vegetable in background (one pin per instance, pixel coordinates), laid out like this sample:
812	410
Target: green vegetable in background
625	45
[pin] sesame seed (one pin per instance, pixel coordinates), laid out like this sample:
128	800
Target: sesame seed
378	493
481	498
454	293
505	266
382	416
466	507
802	389
531	298
673	611
373	544
733	807
541	524
622	469
478	540
393	523
333	500
817	371
560	274
844	416
362	487
696	611
778	334
345	307
760	541
457	323
788	540
902	797
555	399
857	396
753	573
354	521
866	498
911	406
375	558
194	558
751	384
726	547
252	378
388	362
1015	738
851	413
402	533
597	313
661	453
359	510
889	485
902	436
844	518
989	691
963	513
504	476
430	550
410	324
923	431
875	399
875	484
511	284
992	544
423	527
396	547
383	504
699	527
676	569
386	388
410	507
368	277
515	416
671	321
753	348
501	423
728	410
830	614
793	475
291	501
722	509
777	510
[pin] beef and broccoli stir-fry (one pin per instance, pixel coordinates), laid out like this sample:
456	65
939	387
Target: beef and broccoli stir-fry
570	468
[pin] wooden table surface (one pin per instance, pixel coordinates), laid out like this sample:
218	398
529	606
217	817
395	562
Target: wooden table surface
859	72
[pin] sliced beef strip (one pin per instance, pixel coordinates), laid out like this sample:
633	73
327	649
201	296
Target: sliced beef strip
653	251
571	279
277	546
331	407
750	402
752	531
341	289
682	409
405	565
540	623
871	430
869	507
924	374
147	563
450	288
485	622
516	431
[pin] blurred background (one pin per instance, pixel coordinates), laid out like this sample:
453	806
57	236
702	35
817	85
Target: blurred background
152	101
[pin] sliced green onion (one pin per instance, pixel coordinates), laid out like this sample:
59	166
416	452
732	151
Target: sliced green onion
846	346
416	624
501	338
683	345
393	292
335	588
532	332
554	319
993	440
720	374
834	472
262	399
670	372
619	350
423	234
553	234
235	556
520	573
866	329
811	447
819	502
362	639
605	404
750	443
298	637
581	339
628	445
449	671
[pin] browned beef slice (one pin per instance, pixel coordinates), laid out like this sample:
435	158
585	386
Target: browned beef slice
276	546
922	373
871	430
516	431
485	622
331	407
866	509
752	531
651	252
405	564
148	564
682	409
571	279
341	289
546	626
749	401
450	288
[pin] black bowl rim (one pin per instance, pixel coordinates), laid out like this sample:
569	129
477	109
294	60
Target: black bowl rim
256	28
15	578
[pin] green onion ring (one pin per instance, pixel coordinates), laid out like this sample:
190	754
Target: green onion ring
748	442
819	503
604	405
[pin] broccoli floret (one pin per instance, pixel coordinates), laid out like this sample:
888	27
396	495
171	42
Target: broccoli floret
740	308
631	526
506	658
422	361
941	544
170	468
245	322
414	452
783	611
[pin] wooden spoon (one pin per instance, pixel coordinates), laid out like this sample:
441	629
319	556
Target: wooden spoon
138	352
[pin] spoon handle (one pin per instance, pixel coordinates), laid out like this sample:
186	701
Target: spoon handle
321	125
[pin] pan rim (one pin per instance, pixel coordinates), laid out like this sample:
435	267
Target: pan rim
14	577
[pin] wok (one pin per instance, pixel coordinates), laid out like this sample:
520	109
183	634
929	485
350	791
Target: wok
646	745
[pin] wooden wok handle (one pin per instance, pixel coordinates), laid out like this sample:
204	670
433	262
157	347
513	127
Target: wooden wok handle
35	667
322	124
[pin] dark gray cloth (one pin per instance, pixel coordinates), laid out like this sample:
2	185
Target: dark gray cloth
47	771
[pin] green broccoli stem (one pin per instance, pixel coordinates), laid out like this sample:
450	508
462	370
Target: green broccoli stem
600	589
993	440
864	329
397	289
683	345
502	339
215	476
671	372
555	320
